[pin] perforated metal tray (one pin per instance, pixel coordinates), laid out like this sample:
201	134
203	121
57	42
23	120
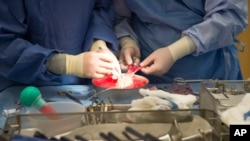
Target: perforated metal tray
219	95
193	124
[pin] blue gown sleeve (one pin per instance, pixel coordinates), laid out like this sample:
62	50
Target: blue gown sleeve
123	20
101	25
224	20
20	60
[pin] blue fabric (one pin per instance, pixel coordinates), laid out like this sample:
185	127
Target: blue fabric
246	115
174	106
26	138
32	30
212	25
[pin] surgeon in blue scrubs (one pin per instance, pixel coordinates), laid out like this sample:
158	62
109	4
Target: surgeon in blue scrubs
181	38
55	42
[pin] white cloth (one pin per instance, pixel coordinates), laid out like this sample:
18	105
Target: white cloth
162	100
236	115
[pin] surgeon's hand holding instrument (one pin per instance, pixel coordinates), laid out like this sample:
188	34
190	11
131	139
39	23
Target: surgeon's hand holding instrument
130	52
162	59
89	64
117	71
31	96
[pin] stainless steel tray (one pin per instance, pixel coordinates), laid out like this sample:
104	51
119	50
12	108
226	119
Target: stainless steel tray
219	95
186	125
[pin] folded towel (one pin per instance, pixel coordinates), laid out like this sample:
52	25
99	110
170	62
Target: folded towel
240	114
162	100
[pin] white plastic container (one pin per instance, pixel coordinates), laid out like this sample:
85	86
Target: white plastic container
65	124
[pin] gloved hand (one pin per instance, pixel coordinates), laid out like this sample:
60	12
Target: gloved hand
94	64
159	99
85	65
161	60
130	52
100	46
239	114
89	64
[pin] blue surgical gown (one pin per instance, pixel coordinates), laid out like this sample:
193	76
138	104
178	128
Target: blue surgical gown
212	25
32	30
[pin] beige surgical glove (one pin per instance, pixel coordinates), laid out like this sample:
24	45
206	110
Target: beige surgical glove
99	43
100	46
130	52
162	59
182	47
85	65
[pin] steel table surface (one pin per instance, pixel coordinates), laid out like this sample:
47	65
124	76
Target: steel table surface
10	96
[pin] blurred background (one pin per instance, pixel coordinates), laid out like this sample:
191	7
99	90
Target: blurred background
245	56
